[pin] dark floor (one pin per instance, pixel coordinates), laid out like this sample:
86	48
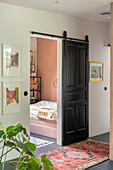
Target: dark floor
48	147
107	165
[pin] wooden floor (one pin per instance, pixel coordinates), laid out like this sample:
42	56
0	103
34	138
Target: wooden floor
107	165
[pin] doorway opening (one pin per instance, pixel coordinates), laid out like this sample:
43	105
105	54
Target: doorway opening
45	96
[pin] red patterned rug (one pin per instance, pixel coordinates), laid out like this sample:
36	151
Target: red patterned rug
79	156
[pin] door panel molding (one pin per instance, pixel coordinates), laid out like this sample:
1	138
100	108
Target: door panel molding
75	92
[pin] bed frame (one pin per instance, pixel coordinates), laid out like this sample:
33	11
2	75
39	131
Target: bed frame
43	127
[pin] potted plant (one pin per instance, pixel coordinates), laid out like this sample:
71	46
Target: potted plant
17	138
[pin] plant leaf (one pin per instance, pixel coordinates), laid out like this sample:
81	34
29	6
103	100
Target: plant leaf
4	136
17	128
46	167
1	141
34	165
1	133
22	165
46	161
25	158
1	127
19	138
18	125
23	138
9	144
32	146
18	150
22	162
36	159
25	132
10	129
24	147
14	130
10	135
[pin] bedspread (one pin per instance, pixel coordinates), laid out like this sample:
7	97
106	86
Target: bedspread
44	110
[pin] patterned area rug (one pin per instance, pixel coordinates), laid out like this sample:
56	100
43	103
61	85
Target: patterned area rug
79	156
40	142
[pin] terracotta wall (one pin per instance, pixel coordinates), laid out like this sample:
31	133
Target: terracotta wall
33	47
47	67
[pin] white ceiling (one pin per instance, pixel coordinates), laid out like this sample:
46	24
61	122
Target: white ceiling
88	9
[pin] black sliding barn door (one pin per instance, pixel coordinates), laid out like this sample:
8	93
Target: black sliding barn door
75	92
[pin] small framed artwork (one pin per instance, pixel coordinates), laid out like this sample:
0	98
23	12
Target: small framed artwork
95	72
33	62
11	97
11	60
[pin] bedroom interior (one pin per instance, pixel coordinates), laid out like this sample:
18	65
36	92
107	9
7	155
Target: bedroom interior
43	87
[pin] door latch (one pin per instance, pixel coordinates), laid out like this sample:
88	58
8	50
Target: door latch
25	93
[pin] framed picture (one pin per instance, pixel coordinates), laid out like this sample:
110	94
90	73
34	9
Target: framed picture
95	72
11	60
33	62
11	97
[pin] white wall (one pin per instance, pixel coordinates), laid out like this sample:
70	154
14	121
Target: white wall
15	26
99	99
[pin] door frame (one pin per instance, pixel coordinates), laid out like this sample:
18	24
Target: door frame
59	85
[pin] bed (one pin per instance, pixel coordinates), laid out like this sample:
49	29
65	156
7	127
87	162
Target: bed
43	118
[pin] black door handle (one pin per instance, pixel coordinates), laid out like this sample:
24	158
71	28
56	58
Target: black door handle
25	93
105	88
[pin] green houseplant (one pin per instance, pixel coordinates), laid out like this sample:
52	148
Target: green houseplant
17	138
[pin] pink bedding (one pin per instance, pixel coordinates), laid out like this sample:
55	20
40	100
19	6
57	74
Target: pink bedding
45	128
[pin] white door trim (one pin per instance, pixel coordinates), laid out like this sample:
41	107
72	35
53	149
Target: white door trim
59	86
59	91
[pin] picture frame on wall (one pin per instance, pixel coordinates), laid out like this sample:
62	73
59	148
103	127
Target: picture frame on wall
33	62
11	97
11	60
96	71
